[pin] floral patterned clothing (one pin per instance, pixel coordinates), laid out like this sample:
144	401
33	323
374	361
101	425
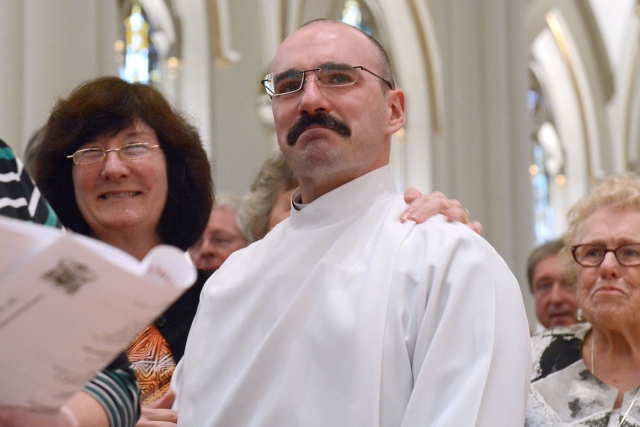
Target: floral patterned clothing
565	393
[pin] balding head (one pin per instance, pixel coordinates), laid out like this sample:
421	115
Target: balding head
330	133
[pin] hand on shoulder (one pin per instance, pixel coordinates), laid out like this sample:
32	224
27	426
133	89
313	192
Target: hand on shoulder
424	206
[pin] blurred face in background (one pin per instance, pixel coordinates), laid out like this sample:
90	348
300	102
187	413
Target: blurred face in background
556	302
220	239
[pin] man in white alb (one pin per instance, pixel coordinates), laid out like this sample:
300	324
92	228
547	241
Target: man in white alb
342	315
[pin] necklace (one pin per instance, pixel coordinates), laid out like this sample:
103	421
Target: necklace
593	360
593	371
630	406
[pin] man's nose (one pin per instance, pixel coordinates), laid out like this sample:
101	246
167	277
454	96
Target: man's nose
558	293
312	96
207	247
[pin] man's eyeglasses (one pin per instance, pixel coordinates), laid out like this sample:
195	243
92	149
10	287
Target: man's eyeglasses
544	287
134	151
219	239
331	74
593	255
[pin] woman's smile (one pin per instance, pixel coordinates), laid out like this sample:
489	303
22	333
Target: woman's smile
119	195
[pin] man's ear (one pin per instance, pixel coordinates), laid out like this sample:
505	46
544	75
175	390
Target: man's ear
397	107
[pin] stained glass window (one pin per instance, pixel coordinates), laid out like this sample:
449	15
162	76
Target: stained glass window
547	171
352	15
136	53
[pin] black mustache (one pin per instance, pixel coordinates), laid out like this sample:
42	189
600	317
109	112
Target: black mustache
324	120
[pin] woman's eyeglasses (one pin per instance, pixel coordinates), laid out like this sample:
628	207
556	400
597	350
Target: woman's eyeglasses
591	255
134	151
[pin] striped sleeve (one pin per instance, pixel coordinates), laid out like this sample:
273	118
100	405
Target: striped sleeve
19	197
116	389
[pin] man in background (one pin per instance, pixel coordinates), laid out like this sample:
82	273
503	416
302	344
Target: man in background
222	237
556	302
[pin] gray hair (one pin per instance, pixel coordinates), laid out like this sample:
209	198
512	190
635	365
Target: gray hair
227	201
274	176
231	203
621	192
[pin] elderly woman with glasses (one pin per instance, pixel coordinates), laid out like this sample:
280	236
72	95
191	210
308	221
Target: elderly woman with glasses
589	374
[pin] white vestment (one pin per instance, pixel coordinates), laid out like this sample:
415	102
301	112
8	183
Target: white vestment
344	316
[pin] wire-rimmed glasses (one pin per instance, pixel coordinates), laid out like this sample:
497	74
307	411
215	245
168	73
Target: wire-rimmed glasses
93	155
330	74
219	239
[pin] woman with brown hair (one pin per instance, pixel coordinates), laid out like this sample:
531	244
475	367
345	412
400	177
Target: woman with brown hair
118	163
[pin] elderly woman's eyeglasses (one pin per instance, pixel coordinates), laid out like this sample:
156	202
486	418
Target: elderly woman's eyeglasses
592	255
330	74
134	151
218	239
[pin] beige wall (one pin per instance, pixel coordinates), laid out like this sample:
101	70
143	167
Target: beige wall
480	155
49	48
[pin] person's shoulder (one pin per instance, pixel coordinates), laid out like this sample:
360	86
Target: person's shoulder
439	230
242	257
8	160
543	339
578	330
438	223
439	242
555	349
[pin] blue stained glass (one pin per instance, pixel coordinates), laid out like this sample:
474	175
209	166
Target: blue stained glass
352	15
543	211
139	59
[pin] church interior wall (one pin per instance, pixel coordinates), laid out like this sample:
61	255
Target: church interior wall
240	140
480	150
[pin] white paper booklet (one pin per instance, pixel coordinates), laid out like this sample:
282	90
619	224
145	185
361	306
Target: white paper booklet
70	304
